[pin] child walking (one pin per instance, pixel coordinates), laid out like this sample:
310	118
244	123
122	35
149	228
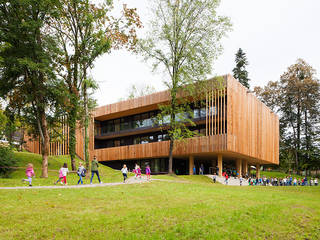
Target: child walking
148	172
138	171
124	171
29	173
81	172
63	174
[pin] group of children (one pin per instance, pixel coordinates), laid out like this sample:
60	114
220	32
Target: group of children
81	172
136	171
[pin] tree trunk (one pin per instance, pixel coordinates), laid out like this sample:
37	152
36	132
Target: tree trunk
45	142
170	157
72	136
86	126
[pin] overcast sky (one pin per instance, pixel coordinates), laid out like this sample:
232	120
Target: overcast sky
273	34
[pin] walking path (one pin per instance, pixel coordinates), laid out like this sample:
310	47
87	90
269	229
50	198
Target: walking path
131	180
231	181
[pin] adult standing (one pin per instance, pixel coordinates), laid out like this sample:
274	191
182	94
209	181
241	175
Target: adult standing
94	169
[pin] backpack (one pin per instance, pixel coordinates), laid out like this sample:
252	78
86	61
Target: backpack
83	173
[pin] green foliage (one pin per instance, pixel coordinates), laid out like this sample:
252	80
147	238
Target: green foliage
84	31
27	68
7	160
183	41
296	98
240	72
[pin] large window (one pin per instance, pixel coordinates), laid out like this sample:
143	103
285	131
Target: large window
147	120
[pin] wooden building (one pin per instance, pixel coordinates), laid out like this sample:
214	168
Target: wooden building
235	130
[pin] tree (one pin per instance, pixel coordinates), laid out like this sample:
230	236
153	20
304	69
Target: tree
240	72
183	40
296	97
27	70
85	31
140	90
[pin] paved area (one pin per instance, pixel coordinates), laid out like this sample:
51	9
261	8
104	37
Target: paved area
231	181
131	180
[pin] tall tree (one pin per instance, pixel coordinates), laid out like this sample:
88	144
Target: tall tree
26	63
85	31
296	97
183	41
240	72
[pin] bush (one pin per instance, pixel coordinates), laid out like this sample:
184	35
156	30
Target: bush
7	160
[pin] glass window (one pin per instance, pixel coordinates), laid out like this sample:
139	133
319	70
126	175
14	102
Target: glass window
136	140
160	138
203	112
136	120
196	113
117	125
144	140
165	137
166	119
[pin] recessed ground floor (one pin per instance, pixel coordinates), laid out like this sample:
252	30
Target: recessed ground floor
191	165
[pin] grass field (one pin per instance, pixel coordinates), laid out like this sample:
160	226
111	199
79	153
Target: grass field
193	208
55	163
162	210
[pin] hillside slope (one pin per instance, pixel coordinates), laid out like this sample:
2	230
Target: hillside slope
55	162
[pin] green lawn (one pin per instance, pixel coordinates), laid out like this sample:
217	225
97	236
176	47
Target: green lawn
55	162
190	208
162	210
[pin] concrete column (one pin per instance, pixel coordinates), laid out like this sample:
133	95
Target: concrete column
239	167
191	164
220	164
244	167
258	170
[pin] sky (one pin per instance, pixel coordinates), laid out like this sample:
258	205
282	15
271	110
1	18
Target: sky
272	33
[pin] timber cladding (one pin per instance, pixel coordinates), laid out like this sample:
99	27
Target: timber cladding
254	126
241	124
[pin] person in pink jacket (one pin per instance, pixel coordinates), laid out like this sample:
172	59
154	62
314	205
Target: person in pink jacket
29	173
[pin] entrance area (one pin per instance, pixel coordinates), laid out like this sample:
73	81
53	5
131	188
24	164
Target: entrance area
208	166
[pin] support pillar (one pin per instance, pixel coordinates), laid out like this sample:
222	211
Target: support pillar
244	167
220	164
239	167
258	170
191	164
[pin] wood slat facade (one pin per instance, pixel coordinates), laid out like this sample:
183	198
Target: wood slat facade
243	127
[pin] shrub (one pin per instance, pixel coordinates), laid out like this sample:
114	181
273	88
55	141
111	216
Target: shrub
7	160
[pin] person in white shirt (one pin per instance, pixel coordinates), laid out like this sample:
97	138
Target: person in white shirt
124	171
294	182
63	174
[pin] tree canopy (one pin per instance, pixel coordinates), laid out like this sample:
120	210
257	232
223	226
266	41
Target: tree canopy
183	41
296	98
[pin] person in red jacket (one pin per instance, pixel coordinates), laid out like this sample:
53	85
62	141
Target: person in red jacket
227	177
